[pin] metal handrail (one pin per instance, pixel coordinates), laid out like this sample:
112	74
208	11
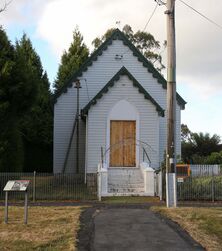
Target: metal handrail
144	152
122	142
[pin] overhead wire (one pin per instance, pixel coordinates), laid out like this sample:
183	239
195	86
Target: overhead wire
201	14
151	16
87	88
158	3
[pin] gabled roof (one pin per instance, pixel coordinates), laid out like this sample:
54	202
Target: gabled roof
118	35
116	77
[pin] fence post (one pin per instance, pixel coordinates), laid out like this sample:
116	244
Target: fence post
212	184
34	186
160	185
99	185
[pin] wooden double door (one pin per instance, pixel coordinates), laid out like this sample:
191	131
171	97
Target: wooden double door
122	143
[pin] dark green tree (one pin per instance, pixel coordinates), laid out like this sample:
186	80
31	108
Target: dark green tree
205	144
197	148
99	40
71	60
9	144
144	41
25	108
18	88
36	124
214	158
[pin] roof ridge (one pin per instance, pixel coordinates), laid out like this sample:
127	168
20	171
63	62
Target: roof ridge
87	63
111	82
117	34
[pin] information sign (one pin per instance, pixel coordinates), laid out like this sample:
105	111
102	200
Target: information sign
20	186
180	180
16	185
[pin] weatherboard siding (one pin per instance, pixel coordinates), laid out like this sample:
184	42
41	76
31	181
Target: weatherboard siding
123	89
96	76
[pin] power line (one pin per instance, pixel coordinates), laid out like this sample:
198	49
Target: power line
151	16
154	10
160	2
87	88
202	15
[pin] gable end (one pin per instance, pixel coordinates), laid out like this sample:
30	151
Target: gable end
118	35
116	77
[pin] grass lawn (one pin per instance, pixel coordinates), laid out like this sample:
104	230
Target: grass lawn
203	224
48	228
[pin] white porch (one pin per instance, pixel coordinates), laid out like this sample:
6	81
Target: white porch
141	181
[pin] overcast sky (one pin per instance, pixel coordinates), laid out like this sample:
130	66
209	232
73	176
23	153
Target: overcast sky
50	23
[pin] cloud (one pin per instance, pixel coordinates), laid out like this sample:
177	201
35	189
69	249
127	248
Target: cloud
199	74
94	17
24	12
198	48
198	41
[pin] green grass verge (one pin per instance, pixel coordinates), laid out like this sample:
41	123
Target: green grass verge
48	228
203	224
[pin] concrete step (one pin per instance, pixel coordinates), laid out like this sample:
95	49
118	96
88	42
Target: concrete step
125	181
125	177
117	182
126	190
114	181
132	185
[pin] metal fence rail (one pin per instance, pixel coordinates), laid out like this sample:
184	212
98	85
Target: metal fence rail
204	183
48	186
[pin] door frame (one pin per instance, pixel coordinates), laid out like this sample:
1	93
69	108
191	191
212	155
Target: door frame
122	146
123	110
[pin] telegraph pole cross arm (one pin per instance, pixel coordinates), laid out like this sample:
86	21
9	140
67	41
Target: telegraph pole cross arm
171	193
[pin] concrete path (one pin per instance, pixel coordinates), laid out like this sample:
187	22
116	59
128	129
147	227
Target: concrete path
136	229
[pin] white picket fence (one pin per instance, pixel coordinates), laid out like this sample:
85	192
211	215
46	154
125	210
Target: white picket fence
205	170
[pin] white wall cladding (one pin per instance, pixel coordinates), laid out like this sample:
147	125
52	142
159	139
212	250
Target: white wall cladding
97	75
123	89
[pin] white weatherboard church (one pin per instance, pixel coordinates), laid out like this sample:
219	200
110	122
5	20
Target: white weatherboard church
123	112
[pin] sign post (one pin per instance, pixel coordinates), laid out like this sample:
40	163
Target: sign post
26	208
18	186
6	207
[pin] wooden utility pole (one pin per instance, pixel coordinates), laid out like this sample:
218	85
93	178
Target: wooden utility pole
171	106
77	86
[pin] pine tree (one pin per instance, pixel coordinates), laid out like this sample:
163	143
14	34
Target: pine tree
37	123
16	97
71	60
7	139
25	108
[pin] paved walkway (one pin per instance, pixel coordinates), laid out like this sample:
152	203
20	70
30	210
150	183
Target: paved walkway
134	229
